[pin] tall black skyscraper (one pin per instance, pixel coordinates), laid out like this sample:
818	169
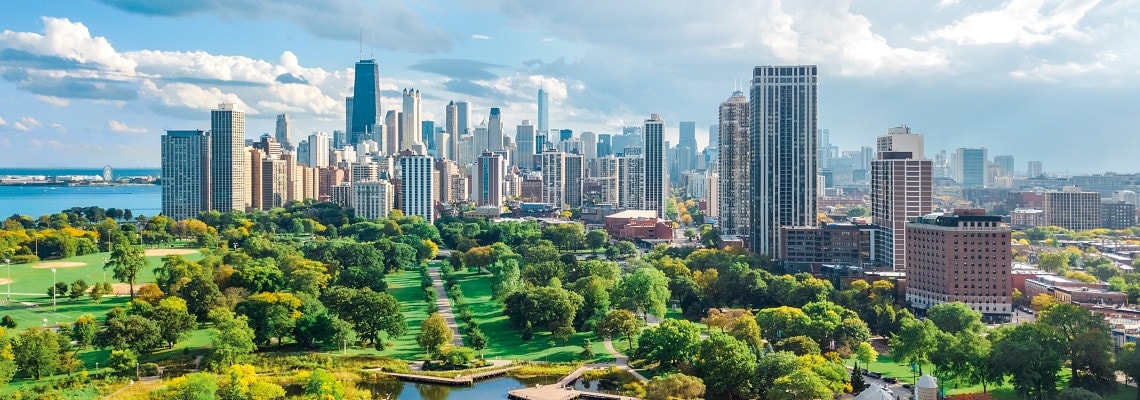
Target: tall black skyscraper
366	110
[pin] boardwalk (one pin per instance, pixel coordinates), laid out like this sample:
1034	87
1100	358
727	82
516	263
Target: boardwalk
465	380
552	392
444	305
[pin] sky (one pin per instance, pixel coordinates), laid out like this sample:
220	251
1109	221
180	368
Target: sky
86	83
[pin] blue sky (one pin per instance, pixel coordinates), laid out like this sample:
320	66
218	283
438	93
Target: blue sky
88	83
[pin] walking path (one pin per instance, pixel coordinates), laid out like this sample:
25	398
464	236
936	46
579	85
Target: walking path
444	305
622	361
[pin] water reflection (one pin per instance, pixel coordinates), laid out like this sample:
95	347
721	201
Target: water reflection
495	389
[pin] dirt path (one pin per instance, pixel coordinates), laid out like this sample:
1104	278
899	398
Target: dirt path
444	305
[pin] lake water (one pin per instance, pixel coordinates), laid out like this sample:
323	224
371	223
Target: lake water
35	201
494	389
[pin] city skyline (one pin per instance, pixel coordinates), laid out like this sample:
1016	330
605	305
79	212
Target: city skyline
100	83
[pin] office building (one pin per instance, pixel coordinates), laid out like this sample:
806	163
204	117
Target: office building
319	148
972	167
605	145
1117	215
902	184
417	193
451	121
1033	169
373	199
734	166
348	120
427	135
411	128
228	167
655	186
487	180
494	131
783	152
283	134
525	144
543	115
366	109
185	174
966	257
466	150
1005	163
391	135
688	139
463	117
589	145
1072	208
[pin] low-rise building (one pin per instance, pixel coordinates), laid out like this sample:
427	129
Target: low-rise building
803	247
638	225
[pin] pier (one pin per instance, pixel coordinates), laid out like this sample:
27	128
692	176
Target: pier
464	380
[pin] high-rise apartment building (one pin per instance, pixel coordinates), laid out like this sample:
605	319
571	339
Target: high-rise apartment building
228	169
712	198
589	147
185	174
655	185
1117	215
494	131
735	181
543	111
574	174
1033	169
275	182
1072	208
366	109
1005	163
901	190
411	128
554	177
631	170
451	125
966	257
373	199
605	145
688	141
319	149
487	180
524	141
283	134
417	191
783	152
972	166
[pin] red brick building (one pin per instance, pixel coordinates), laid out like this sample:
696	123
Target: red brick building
963	257
637	225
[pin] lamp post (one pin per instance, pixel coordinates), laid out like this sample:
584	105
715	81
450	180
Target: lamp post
53	290
105	261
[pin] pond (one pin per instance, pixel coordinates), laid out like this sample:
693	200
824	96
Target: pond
493	389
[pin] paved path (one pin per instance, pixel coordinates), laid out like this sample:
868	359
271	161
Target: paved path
622	360
444	305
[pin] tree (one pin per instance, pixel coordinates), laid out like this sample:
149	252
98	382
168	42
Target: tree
78	288
545	307
866	354
747	331
122	361
371	313
58	289
620	323
270	315
321	384
8	322
1076	393
781	322
232	338
801	384
1088	342
173	319
240	382
955	317
597	238
201	295
476	338
127	261
671	342
84	329
36	352
434	333
1032	354
130	332
675	386
770	367
1042	301
725	365
798	345
195	386
1128	362
1055	262
646	290
914	342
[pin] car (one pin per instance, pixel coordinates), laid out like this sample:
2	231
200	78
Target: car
906	386
891	380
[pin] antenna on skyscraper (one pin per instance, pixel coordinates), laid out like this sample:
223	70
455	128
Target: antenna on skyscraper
360	37
372	44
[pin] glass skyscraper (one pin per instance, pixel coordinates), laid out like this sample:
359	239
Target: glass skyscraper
366	110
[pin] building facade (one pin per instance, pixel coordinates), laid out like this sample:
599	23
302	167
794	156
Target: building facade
417	193
783	155
372	199
654	183
901	190
966	257
487	180
366	109
735	191
185	174
1072	208
228	168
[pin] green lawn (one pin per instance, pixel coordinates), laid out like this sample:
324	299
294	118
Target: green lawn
506	342
888	367
405	287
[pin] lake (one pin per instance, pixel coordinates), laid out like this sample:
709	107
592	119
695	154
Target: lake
35	201
494	389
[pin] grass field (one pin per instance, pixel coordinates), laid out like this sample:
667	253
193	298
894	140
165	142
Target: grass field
405	287
506	342
31	304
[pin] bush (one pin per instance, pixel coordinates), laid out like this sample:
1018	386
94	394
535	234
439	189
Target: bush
123	361
8	322
25	259
148	369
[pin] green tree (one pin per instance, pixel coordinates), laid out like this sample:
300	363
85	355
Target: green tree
270	315
232	338
78	288
597	238
914	342
1128	362
670	343
1055	262
133	332
725	365
371	313
1032	354
799	345
645	290
675	386
240	382
476	339
84	329
201	295
36	351
620	323
434	333
545	307
955	317
1088	343
195	386
323	385
801	384
126	262
782	322
173	319
866	354
122	361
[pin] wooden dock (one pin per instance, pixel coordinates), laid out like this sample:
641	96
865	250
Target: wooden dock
555	392
465	380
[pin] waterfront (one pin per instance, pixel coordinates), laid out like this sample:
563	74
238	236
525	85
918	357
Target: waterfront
35	201
494	389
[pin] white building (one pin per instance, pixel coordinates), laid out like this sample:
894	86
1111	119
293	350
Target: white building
372	199
417	194
319	145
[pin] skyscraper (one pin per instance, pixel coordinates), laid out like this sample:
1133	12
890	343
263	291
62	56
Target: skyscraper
319	148
283	133
451	121
417	191
487	180
573	174
427	135
605	145
1033	169
524	140
631	172
734	165
372	199
589	145
901	191
783	167
228	170
543	116
654	150
688	138
392	124
411	130
366	109
1006	163
348	119
973	166
554	177
494	130
185	174
463	117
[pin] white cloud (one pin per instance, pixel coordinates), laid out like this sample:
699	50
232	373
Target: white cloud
58	127
3	122
26	124
72	41
480	37
1025	22
116	126
55	101
1052	72
193	97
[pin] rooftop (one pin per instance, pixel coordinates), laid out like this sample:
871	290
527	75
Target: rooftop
635	214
